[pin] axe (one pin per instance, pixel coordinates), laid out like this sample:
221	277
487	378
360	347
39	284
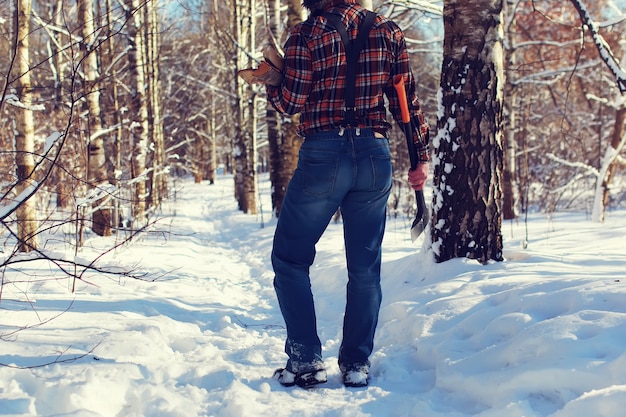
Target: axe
422	216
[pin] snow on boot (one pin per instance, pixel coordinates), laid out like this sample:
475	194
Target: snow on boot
355	375
303	380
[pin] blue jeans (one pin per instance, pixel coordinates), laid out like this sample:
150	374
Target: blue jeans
351	173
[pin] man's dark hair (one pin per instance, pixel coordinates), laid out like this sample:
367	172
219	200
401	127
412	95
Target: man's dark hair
316	5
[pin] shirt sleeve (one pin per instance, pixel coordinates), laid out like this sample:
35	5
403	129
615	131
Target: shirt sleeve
291	95
420	128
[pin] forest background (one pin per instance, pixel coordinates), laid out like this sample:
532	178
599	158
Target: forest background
105	103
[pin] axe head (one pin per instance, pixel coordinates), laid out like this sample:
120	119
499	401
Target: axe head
422	217
419	225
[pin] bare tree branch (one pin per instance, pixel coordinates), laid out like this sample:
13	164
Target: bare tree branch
603	48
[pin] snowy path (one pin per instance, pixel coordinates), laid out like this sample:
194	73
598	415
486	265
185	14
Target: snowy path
539	335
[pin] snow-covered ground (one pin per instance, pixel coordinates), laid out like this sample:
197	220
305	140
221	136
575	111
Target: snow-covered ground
541	334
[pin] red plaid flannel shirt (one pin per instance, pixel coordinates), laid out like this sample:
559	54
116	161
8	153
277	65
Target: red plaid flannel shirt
315	69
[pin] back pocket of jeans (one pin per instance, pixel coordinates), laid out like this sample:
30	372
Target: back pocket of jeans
381	172
318	176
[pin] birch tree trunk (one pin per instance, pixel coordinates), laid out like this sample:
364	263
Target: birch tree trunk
64	184
510	190
55	54
113	109
245	140
468	148
211	165
212	148
158	178
26	214
97	175
239	148
250	138
138	109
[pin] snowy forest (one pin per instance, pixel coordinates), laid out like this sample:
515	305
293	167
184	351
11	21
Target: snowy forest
104	102
107	106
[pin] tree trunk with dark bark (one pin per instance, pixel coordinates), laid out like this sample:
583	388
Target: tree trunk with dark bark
468	148
284	140
245	137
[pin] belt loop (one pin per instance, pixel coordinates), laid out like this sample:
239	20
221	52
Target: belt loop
358	131
341	131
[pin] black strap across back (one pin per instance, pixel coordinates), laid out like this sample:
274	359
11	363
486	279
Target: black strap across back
353	51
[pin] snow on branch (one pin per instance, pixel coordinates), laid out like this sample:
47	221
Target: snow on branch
421	5
103	132
7	210
552	76
585	167
603	48
14	100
